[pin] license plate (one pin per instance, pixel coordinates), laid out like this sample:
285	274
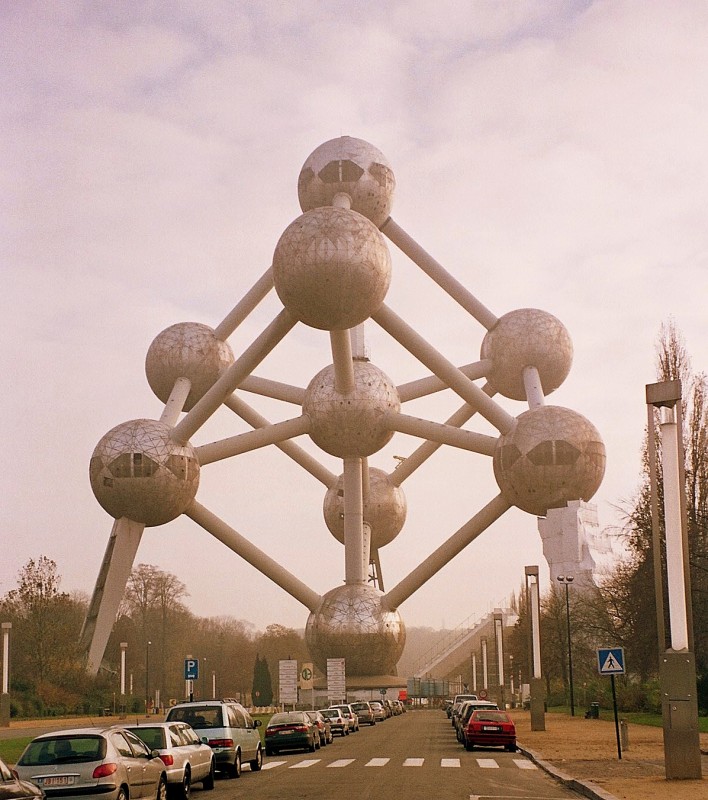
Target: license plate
59	780
491	728
283	733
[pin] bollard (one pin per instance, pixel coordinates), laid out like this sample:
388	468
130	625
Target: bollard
624	734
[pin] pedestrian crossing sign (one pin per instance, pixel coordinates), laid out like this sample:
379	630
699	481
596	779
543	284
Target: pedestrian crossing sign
610	660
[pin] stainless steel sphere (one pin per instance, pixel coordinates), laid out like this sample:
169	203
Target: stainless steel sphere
331	268
384	508
353	424
186	350
352	624
136	471
550	456
527	337
352	167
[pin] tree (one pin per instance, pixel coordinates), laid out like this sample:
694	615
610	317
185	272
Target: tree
262	684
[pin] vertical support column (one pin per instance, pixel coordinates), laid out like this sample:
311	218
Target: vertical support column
677	665
474	672
355	568
123	648
485	666
5	696
538	692
499	642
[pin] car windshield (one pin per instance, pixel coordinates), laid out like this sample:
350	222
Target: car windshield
360	706
197	716
63	750
154	738
331	713
288	718
491	716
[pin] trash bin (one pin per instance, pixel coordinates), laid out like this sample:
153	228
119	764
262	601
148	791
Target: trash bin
593	712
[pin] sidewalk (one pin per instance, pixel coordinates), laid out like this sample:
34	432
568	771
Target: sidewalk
586	750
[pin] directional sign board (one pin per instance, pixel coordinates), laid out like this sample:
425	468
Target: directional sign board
191	669
610	660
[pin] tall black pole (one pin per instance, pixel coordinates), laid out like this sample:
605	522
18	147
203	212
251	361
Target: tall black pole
147	677
570	653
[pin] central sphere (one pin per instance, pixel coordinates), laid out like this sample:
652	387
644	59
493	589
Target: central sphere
138	472
331	268
352	424
351	623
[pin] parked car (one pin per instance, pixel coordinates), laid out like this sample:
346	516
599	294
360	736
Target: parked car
490	728
188	760
379	710
463	715
108	763
290	730
324	727
227	728
12	788
337	721
364	712
457	701
350	714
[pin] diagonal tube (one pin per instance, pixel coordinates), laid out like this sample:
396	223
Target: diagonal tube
439	432
255	557
245	442
245	305
444	369
227	383
445	553
438	273
425	386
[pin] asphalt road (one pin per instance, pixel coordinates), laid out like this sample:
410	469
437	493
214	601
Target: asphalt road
413	756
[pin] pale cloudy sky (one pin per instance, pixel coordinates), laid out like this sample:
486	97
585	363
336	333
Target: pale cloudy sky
548	154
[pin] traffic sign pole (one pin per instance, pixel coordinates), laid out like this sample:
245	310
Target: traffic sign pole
617	727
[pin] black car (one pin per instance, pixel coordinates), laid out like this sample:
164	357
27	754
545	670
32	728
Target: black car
12	788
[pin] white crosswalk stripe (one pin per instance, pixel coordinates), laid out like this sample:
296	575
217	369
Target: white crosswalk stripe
377	762
308	762
272	764
413	762
487	763
522	763
449	762
342	762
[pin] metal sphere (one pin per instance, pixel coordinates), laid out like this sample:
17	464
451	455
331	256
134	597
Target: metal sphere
353	424
331	268
186	350
384	508
527	337
552	455
352	624
352	167
138	472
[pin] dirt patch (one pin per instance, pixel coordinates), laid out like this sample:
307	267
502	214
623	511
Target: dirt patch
586	749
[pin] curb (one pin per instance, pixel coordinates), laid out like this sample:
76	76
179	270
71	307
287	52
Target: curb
587	789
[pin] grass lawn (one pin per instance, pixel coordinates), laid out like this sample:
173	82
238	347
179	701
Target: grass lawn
635	717
10	749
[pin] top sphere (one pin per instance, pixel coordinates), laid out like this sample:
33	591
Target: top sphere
352	167
527	337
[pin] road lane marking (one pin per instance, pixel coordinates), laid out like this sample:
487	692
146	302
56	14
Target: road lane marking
341	762
377	762
308	762
413	762
487	763
272	764
449	762
523	764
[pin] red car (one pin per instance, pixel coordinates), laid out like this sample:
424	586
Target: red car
490	728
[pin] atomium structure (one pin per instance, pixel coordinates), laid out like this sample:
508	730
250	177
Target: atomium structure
331	270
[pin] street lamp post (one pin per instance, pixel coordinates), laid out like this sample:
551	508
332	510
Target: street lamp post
147	676
566	580
5	695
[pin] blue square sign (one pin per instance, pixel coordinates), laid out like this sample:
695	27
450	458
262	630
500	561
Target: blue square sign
610	660
191	669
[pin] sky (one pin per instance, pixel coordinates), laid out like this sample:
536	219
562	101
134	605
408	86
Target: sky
548	154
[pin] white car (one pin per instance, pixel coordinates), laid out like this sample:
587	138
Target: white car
186	758
350	714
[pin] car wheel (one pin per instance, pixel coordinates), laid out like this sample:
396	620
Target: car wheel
208	782
312	747
511	748
122	794
185	787
269	751
468	746
234	770
257	762
161	793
